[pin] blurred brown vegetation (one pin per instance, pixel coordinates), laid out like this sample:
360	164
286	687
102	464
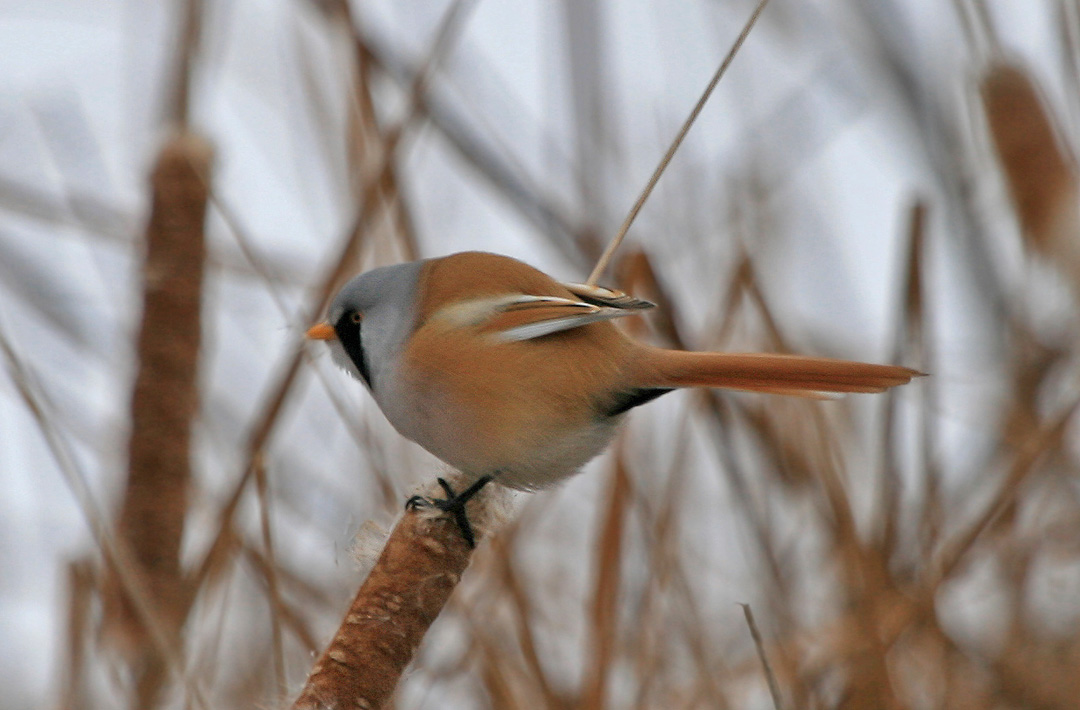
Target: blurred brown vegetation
915	550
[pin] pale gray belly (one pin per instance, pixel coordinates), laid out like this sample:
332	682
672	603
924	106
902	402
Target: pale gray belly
530	457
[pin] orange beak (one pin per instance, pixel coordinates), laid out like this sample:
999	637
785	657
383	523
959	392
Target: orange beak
321	331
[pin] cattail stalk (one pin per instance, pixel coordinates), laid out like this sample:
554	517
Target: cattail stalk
420	565
1040	174
164	402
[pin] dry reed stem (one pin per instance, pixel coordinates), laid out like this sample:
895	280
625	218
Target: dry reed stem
81	588
1028	456
495	672
119	558
864	584
524	612
364	135
178	108
506	677
613	246
339	267
635	274
271	281
419	567
1037	676
770	677
603	625
266	527
289	615
164	402
97	218
502	174
916	335
364	139
909	330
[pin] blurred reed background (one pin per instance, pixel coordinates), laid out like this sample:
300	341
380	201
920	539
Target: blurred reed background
190	497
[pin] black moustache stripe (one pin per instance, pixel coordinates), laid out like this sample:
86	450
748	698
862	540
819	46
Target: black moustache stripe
349	335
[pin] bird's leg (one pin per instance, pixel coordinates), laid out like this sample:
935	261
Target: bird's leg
453	504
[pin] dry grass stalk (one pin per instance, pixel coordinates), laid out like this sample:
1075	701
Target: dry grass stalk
341	265
164	401
270	573
1028	456
289	616
774	688
512	586
877	585
364	137
81	584
914	343
119	559
613	246
604	623
499	173
419	567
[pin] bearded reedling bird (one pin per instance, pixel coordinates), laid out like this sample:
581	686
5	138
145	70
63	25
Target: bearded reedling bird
510	376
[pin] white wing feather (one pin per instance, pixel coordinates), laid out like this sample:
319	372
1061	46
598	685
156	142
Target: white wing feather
542	315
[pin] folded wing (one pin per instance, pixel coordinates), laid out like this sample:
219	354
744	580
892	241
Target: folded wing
522	316
528	317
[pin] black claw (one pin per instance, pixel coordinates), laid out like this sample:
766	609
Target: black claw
446	488
417	502
453	504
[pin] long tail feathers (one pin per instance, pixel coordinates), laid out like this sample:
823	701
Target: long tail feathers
775	374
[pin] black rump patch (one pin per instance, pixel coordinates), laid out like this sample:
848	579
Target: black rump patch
629	399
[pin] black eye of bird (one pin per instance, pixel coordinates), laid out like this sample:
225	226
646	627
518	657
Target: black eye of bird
355	317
